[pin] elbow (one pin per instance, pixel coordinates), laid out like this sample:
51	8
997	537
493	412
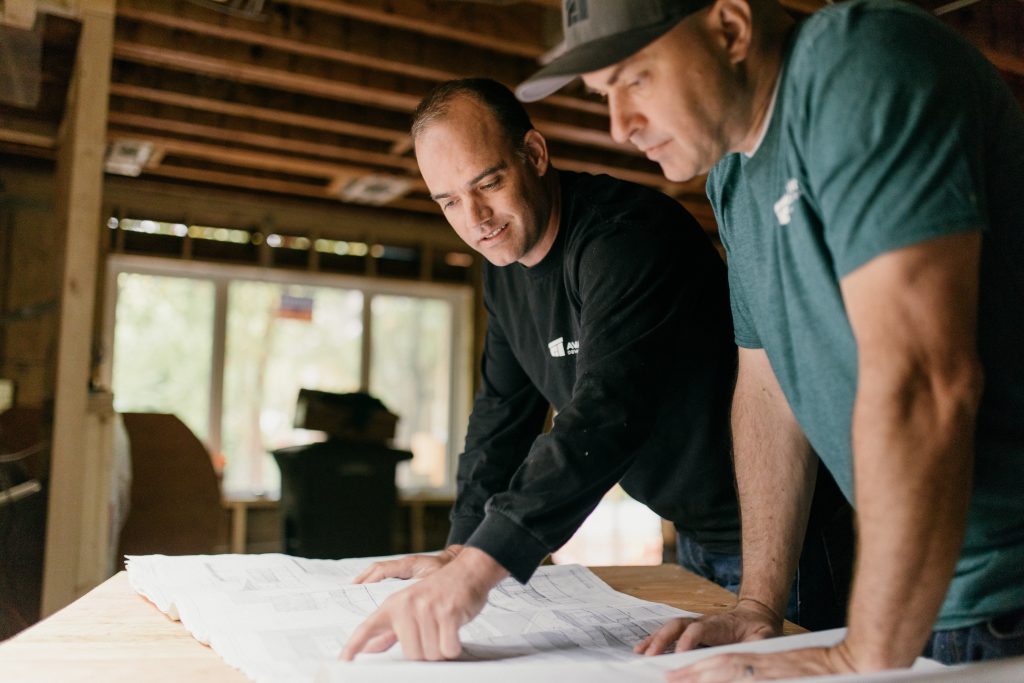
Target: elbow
958	389
939	395
946	394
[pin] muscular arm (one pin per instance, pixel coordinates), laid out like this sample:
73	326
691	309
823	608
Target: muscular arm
775	470
914	317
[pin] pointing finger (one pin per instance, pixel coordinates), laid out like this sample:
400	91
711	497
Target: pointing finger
378	624
366	573
450	645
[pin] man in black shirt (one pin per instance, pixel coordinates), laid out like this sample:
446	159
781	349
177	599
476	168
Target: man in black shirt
605	300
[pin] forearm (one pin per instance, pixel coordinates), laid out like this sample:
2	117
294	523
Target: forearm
913	464
477	569
775	471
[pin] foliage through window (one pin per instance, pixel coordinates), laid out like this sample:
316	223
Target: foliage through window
186	333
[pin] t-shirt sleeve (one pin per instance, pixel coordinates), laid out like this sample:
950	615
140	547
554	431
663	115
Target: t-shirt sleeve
508	413
744	331
890	129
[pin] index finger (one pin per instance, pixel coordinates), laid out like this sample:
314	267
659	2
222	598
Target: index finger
377	625
366	573
659	641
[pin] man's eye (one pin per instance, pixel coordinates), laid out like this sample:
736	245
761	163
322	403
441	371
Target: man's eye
447	204
491	185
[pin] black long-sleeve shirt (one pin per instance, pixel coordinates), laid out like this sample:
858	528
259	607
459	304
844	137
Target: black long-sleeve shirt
625	328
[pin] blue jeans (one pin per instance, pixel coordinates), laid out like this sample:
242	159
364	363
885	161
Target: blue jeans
1001	636
811	602
725	569
721	568
821	588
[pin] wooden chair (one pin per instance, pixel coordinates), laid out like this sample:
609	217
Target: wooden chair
175	504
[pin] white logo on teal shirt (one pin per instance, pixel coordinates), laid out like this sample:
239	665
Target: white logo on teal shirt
784	207
559	348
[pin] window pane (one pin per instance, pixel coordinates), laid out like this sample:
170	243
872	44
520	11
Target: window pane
281	338
411	372
163	335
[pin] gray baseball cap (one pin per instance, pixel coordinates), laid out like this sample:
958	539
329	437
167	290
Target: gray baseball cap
599	33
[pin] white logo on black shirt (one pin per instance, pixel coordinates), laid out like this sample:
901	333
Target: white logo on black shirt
559	348
784	207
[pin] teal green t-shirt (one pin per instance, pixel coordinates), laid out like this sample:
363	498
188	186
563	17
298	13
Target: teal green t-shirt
888	130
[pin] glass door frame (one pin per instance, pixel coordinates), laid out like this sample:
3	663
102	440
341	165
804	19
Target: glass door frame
459	297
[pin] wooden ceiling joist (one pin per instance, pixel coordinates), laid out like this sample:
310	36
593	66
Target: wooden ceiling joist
313	149
257	159
506	29
20	137
247	182
568	159
254	112
273	78
291	81
407	54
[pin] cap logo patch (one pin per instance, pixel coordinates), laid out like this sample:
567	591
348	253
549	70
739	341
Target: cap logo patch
575	12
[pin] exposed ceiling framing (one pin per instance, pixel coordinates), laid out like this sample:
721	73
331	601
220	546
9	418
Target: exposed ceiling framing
317	93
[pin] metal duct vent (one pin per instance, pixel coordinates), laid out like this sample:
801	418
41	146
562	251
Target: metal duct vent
127	157
375	189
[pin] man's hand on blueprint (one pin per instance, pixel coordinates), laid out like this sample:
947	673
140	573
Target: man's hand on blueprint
408	567
742	666
748	620
425	617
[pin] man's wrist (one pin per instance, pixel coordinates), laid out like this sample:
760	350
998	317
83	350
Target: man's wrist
867	652
762	608
480	567
452	551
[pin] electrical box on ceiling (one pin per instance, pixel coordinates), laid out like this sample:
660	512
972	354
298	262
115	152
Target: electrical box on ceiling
375	189
127	157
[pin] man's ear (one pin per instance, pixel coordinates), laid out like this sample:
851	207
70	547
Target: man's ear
537	151
732	28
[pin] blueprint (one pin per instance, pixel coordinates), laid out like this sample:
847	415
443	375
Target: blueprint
282	618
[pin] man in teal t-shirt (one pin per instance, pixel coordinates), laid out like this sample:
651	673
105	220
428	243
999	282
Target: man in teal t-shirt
869	185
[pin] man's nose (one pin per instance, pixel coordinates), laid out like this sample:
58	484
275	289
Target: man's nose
477	212
623	119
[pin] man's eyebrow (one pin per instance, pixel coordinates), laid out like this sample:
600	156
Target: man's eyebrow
615	75
612	78
476	179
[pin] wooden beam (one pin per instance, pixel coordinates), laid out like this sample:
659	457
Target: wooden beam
315	149
264	161
513	30
1005	62
19	14
325	87
418	61
259	113
400	147
250	183
225	205
274	78
71	541
25	131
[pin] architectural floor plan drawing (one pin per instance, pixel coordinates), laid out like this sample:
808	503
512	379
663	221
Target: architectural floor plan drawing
281	618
